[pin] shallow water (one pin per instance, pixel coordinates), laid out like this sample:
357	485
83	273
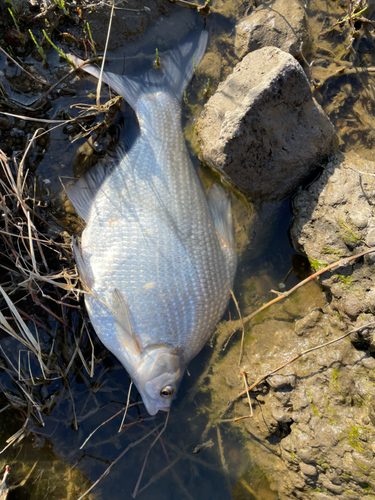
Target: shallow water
227	466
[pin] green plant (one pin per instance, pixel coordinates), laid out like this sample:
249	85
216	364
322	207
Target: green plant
348	235
17	27
332	251
61	5
39	48
194	65
316	264
157	60
60	52
12	6
354	438
91	40
2	92
185	98
314	408
347	281
356	14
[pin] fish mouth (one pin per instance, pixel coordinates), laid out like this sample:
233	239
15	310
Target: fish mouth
153	408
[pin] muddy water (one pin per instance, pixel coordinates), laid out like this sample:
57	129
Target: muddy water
198	456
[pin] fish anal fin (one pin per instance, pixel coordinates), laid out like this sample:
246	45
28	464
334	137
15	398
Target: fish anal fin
221	211
123	324
88	281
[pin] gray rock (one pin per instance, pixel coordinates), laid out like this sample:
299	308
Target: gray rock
281	416
370	238
263	129
308	470
333	219
303	325
281	23
282	381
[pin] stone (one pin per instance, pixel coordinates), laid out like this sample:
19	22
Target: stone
308	470
281	23
282	381
263	129
281	416
332	220
370	238
360	219
303	325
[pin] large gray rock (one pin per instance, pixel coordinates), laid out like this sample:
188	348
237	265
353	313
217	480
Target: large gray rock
281	23
262	127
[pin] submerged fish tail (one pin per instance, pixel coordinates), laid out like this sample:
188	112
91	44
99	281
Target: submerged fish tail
174	74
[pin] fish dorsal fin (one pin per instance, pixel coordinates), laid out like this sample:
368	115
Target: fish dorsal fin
174	74
89	282
82	193
221	211
123	324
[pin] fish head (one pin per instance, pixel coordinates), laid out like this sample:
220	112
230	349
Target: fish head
158	377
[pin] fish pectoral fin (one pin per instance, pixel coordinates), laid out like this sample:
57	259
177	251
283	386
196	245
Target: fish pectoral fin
221	211
123	324
89	282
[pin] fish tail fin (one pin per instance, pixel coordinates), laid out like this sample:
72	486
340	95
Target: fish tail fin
173	76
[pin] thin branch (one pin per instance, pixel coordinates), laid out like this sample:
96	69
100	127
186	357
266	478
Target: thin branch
108	469
134	494
247	392
242	325
342	262
127	405
263	377
23	69
103	62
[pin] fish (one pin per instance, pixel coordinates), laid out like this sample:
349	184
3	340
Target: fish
156	253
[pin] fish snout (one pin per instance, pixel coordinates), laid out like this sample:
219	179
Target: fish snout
152	407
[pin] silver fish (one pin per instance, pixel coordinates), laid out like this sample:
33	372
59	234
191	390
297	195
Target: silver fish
156	252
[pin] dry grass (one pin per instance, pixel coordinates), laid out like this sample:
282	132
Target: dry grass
40	268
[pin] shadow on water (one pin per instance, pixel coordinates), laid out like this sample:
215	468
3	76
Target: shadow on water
197	456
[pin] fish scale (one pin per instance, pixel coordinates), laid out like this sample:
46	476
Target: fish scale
157	254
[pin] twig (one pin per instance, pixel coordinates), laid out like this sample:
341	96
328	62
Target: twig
238	324
247	392
24	70
103	62
127	406
73	70
263	377
242	325
134	494
350	14
108	469
106	422
309	66
159	474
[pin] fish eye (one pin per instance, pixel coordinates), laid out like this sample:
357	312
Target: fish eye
167	391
